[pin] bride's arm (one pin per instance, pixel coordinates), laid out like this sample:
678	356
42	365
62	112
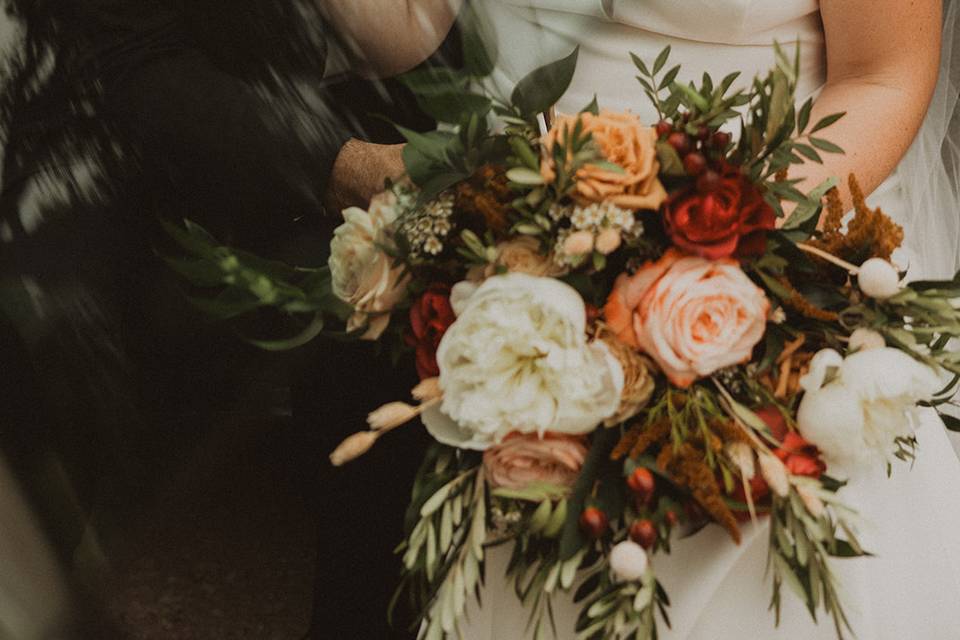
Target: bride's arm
882	61
392	36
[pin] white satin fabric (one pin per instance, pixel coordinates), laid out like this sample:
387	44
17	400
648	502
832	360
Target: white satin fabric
911	522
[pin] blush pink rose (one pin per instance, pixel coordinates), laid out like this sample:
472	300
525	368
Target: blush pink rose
691	315
522	459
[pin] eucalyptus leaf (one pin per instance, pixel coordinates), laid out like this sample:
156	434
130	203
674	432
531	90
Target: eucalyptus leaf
543	87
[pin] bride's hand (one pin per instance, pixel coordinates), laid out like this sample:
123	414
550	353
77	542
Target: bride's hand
360	172
388	37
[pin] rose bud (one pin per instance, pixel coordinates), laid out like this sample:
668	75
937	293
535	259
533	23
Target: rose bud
628	561
642	483
608	241
593	522
644	533
578	243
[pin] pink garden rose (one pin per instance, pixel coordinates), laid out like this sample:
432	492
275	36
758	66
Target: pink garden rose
522	459
691	315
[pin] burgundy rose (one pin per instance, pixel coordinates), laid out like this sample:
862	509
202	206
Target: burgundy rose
430	317
727	218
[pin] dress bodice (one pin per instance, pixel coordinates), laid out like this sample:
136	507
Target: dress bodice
717	36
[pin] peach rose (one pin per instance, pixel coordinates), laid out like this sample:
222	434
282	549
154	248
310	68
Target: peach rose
691	315
623	141
522	459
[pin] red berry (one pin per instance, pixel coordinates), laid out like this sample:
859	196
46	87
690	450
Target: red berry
642	483
694	163
720	140
664	128
593	522
703	132
708	181
671	518
680	142
644	533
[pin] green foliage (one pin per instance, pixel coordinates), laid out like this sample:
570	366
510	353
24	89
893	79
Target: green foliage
542	88
443	553
231	283
801	545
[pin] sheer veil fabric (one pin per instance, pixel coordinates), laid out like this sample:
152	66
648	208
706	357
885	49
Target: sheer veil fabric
911	588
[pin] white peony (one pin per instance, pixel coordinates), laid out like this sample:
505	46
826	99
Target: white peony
871	400
517	360
363	275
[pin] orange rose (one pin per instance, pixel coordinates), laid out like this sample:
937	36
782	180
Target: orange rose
522	459
692	316
623	141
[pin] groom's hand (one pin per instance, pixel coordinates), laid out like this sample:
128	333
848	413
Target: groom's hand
359	173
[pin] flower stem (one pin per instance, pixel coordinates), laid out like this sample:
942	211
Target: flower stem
829	257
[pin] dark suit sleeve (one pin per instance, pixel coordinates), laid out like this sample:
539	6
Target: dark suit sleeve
270	157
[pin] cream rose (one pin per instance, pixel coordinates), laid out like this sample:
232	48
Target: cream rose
363	274
692	316
520	255
522	459
623	141
517	359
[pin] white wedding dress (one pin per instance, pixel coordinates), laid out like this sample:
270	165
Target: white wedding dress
911	522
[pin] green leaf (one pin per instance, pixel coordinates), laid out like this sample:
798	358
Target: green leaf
593	107
525	176
451	107
200	273
540	517
670	162
542	88
780	103
669	77
557	519
311	331
808	152
661	60
825	145
950	422
805	212
692	96
640	64
438	184
823	123
803	118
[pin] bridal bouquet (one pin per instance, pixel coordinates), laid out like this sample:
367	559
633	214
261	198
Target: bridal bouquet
625	332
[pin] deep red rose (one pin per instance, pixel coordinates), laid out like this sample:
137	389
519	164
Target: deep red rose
430	317
729	219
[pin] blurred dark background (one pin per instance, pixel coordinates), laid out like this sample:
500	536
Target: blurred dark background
158	455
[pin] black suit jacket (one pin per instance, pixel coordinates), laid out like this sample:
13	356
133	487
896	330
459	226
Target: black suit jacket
222	109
